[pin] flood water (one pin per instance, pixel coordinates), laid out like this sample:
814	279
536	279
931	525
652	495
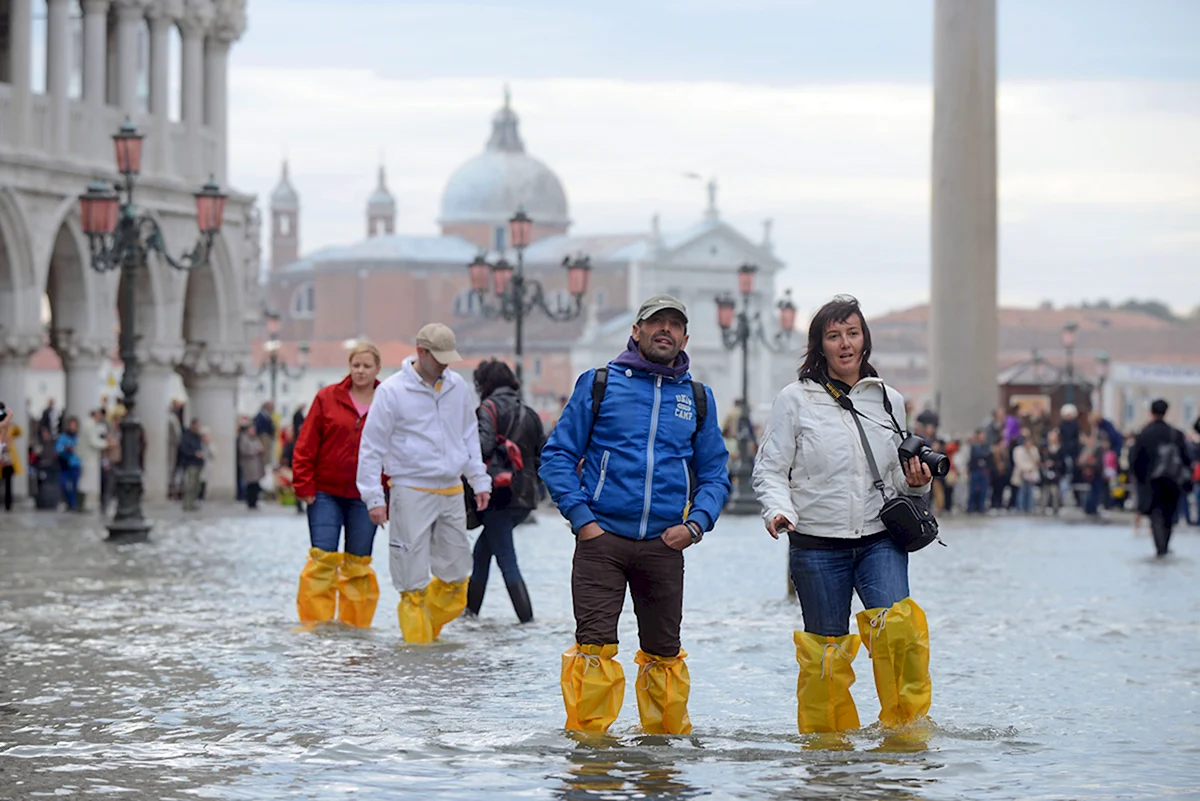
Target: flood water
1065	662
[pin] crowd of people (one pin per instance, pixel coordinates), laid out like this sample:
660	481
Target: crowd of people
638	466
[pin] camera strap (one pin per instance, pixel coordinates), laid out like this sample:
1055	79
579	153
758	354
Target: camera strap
844	401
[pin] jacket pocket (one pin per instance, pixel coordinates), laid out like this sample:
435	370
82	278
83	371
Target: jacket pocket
603	475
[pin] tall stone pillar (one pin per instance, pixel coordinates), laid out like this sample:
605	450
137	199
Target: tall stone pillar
20	70
15	351
58	71
963	314
212	399
155	381
192	29
160	72
83	361
95	76
216	71
130	14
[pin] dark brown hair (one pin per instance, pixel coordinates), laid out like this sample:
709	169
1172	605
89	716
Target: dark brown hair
838	310
493	374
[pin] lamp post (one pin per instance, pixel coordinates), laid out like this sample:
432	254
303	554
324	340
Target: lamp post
515	296
275	364
1102	365
738	328
121	238
1068	342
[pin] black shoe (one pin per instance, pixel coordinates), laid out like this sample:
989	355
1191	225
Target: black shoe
474	598
520	601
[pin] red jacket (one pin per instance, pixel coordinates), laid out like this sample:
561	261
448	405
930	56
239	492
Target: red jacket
326	455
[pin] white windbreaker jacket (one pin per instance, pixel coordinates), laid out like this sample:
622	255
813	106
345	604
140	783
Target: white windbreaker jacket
420	437
811	467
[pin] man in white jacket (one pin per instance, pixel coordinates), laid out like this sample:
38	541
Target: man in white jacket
423	434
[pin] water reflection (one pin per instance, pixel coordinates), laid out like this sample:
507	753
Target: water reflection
603	767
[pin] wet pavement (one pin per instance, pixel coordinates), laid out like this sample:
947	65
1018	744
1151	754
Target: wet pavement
1066	664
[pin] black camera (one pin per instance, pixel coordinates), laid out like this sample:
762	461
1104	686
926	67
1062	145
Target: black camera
3	412
914	446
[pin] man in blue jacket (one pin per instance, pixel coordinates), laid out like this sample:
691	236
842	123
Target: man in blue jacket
637	464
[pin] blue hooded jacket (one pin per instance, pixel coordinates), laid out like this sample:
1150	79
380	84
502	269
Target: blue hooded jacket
636	480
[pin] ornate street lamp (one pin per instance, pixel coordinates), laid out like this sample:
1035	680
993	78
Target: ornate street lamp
738	329
121	238
1068	343
514	297
275	364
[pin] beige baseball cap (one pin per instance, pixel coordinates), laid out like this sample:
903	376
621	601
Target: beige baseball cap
439	340
658	303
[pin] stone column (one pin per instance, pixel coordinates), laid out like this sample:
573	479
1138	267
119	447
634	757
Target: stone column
82	361
963	315
212	399
192	28
130	14
216	59
95	51
20	38
160	73
58	71
15	351
155	381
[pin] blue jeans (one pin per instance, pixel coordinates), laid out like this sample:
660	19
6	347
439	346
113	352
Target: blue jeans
496	540
68	482
978	495
826	580
1025	497
329	514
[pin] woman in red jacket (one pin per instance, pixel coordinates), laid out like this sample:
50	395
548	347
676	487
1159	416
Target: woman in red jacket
324	467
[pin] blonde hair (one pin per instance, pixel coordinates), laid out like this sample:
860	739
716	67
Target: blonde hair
364	347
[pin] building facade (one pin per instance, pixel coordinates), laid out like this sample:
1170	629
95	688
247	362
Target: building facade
108	62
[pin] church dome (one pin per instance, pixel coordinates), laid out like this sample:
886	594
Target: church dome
492	186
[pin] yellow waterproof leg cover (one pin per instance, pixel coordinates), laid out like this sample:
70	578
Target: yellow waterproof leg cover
414	618
663	685
358	591
445	602
823	700
593	686
316	599
898	641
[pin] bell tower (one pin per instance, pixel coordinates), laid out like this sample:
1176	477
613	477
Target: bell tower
285	223
381	209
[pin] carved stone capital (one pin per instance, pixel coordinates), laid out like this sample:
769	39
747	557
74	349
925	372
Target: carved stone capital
130	9
200	362
81	350
95	7
197	17
229	21
17	348
160	355
169	10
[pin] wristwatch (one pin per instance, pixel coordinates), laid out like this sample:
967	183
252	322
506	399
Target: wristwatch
697	532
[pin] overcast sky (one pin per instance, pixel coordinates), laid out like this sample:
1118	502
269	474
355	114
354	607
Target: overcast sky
815	114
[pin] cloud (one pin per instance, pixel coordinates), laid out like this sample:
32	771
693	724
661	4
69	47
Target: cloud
1092	173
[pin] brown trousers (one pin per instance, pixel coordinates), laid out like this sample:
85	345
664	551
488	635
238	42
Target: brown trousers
653	570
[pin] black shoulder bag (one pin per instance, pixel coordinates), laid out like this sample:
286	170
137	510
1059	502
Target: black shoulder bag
906	517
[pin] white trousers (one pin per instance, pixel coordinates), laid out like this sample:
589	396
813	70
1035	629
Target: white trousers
427	532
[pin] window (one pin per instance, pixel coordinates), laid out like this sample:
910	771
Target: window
285	224
559	300
466	303
1189	408
303	302
498	239
600	298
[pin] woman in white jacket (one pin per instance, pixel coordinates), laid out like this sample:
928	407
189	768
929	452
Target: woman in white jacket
813	481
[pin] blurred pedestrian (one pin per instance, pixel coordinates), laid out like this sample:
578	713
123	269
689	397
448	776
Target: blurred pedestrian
69	463
252	463
92	441
191	459
1163	469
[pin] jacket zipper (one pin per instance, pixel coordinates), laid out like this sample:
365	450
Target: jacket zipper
603	475
650	457
687	483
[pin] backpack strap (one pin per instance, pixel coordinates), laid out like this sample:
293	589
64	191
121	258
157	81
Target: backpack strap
600	384
700	401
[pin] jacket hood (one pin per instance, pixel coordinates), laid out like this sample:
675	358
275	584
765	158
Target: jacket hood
633	358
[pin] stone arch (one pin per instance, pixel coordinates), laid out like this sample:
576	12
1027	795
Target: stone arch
18	278
68	284
211	304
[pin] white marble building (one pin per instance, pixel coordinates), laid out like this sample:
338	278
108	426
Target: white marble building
106	61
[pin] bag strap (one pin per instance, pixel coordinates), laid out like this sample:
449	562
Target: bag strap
494	411
844	401
700	402
600	384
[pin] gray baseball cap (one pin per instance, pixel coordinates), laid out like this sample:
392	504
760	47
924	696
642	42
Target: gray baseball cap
658	303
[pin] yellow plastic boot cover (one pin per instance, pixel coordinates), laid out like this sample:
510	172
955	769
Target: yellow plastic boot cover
445	601
358	591
663	685
898	641
593	687
316	600
823	700
414	617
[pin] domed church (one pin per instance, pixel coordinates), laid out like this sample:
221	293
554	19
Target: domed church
387	285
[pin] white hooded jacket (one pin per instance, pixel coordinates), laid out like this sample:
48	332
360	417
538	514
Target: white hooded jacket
421	436
811	467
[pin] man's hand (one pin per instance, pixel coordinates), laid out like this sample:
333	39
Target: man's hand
308	498
677	537
778	524
589	531
378	515
481	500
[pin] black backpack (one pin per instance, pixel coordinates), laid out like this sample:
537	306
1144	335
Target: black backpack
699	399
1167	465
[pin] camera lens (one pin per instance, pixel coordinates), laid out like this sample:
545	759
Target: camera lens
938	463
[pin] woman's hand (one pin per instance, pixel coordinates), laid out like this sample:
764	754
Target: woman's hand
778	524
917	472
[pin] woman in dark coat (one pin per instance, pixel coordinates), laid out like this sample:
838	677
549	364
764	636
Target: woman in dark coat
502	414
